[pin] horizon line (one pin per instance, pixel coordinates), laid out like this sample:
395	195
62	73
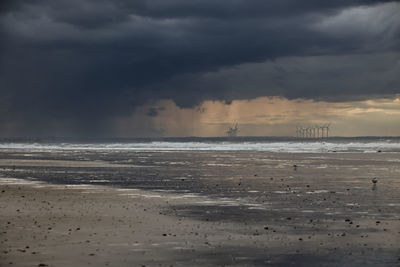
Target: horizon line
76	138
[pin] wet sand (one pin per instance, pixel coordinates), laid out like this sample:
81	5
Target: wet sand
218	209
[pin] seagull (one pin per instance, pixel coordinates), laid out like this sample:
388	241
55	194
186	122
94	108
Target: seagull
374	180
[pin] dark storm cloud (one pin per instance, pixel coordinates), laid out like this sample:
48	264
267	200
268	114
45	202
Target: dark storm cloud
84	60
153	112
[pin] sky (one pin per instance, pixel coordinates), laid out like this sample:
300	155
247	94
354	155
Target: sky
154	68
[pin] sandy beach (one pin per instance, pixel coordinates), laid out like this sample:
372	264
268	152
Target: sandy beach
79	226
209	212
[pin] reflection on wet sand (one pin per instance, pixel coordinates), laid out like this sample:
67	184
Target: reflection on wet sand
199	208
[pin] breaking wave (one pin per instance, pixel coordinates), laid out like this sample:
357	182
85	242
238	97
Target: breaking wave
267	146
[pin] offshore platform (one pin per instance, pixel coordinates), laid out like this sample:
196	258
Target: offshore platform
232	131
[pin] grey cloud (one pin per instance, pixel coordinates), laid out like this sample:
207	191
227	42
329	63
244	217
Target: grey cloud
88	61
153	112
220	9
340	77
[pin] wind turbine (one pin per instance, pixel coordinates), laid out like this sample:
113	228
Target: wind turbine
327	130
317	128
322	131
309	132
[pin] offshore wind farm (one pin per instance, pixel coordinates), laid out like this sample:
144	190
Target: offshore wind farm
314	131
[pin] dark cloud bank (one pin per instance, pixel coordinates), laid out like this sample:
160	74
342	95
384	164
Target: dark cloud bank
87	61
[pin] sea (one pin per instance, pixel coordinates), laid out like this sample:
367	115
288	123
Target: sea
262	144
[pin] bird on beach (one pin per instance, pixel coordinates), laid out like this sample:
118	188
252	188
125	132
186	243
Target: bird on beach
374	180
295	167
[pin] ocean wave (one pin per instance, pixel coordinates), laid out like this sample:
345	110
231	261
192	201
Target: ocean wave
290	147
